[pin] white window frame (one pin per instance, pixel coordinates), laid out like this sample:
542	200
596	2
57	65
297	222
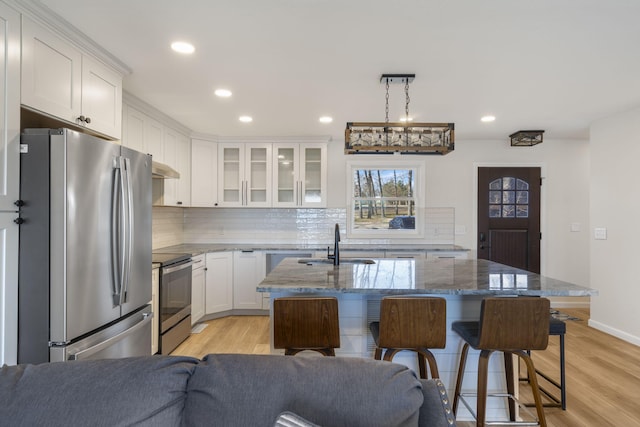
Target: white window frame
419	173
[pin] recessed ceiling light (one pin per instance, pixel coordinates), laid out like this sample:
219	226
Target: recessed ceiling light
326	119
245	119
183	47
488	119
223	93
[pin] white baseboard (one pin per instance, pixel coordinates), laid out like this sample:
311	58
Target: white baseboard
615	332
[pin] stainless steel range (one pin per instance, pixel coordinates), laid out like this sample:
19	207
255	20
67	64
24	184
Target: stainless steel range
175	299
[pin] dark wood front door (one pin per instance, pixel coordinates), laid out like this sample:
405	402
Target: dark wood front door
509	216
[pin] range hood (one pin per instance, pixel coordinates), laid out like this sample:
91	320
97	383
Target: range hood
162	171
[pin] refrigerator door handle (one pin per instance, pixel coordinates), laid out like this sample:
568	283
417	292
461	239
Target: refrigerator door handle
117	230
128	243
88	352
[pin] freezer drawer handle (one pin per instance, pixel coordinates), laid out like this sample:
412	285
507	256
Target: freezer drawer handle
146	318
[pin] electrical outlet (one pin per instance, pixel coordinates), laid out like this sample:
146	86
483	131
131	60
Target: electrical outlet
600	233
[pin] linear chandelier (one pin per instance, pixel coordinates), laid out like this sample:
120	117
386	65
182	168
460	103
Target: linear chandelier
398	137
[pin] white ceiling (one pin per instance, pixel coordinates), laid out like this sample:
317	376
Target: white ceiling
555	65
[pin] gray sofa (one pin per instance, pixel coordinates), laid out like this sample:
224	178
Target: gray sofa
221	390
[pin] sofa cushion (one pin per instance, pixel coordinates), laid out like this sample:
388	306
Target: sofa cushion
252	390
145	391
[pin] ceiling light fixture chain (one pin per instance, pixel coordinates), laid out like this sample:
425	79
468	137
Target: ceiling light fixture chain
407	99
386	104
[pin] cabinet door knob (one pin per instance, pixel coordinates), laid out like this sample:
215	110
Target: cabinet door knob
87	120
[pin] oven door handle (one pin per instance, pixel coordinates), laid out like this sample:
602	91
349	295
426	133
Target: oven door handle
167	270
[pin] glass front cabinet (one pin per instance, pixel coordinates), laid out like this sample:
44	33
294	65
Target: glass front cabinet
244	175
300	175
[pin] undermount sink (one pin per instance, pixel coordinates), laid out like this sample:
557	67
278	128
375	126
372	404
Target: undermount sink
311	261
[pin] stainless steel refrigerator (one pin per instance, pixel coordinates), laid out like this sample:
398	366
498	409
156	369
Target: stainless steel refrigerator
85	248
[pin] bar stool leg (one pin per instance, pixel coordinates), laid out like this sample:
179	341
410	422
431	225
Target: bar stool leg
425	356
511	389
378	354
531	370
563	387
422	365
463	362
481	402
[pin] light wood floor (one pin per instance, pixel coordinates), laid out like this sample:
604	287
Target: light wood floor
603	372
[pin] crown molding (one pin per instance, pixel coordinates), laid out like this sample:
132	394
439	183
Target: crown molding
46	17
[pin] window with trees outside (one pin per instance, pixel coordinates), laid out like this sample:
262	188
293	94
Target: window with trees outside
385	200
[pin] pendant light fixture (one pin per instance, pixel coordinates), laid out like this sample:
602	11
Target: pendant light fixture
403	137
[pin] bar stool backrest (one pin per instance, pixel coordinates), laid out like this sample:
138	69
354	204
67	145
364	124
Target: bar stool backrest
514	323
413	322
306	322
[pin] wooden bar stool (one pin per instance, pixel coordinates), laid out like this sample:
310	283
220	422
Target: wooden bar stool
411	323
512	326
559	328
306	323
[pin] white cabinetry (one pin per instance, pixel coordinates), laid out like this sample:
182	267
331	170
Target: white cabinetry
9	181
177	154
219	282
167	145
61	81
249	269
142	133
155	306
244	175
204	173
198	288
300	175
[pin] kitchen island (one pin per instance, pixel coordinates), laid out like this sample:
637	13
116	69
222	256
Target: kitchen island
359	286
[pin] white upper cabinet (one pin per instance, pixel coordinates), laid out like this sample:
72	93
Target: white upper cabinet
244	175
143	133
204	173
300	175
59	80
177	154
9	109
167	145
101	98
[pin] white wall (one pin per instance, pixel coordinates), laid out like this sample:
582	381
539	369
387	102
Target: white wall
615	205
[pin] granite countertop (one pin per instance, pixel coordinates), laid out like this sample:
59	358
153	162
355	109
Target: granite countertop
416	276
200	248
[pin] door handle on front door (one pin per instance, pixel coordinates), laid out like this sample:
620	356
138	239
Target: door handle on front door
482	239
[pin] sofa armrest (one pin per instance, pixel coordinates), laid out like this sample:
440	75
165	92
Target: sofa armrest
436	408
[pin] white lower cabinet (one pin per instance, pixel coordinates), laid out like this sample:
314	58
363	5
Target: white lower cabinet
249	269
218	282
155	306
197	289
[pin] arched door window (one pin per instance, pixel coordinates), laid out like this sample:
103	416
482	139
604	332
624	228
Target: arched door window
508	198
